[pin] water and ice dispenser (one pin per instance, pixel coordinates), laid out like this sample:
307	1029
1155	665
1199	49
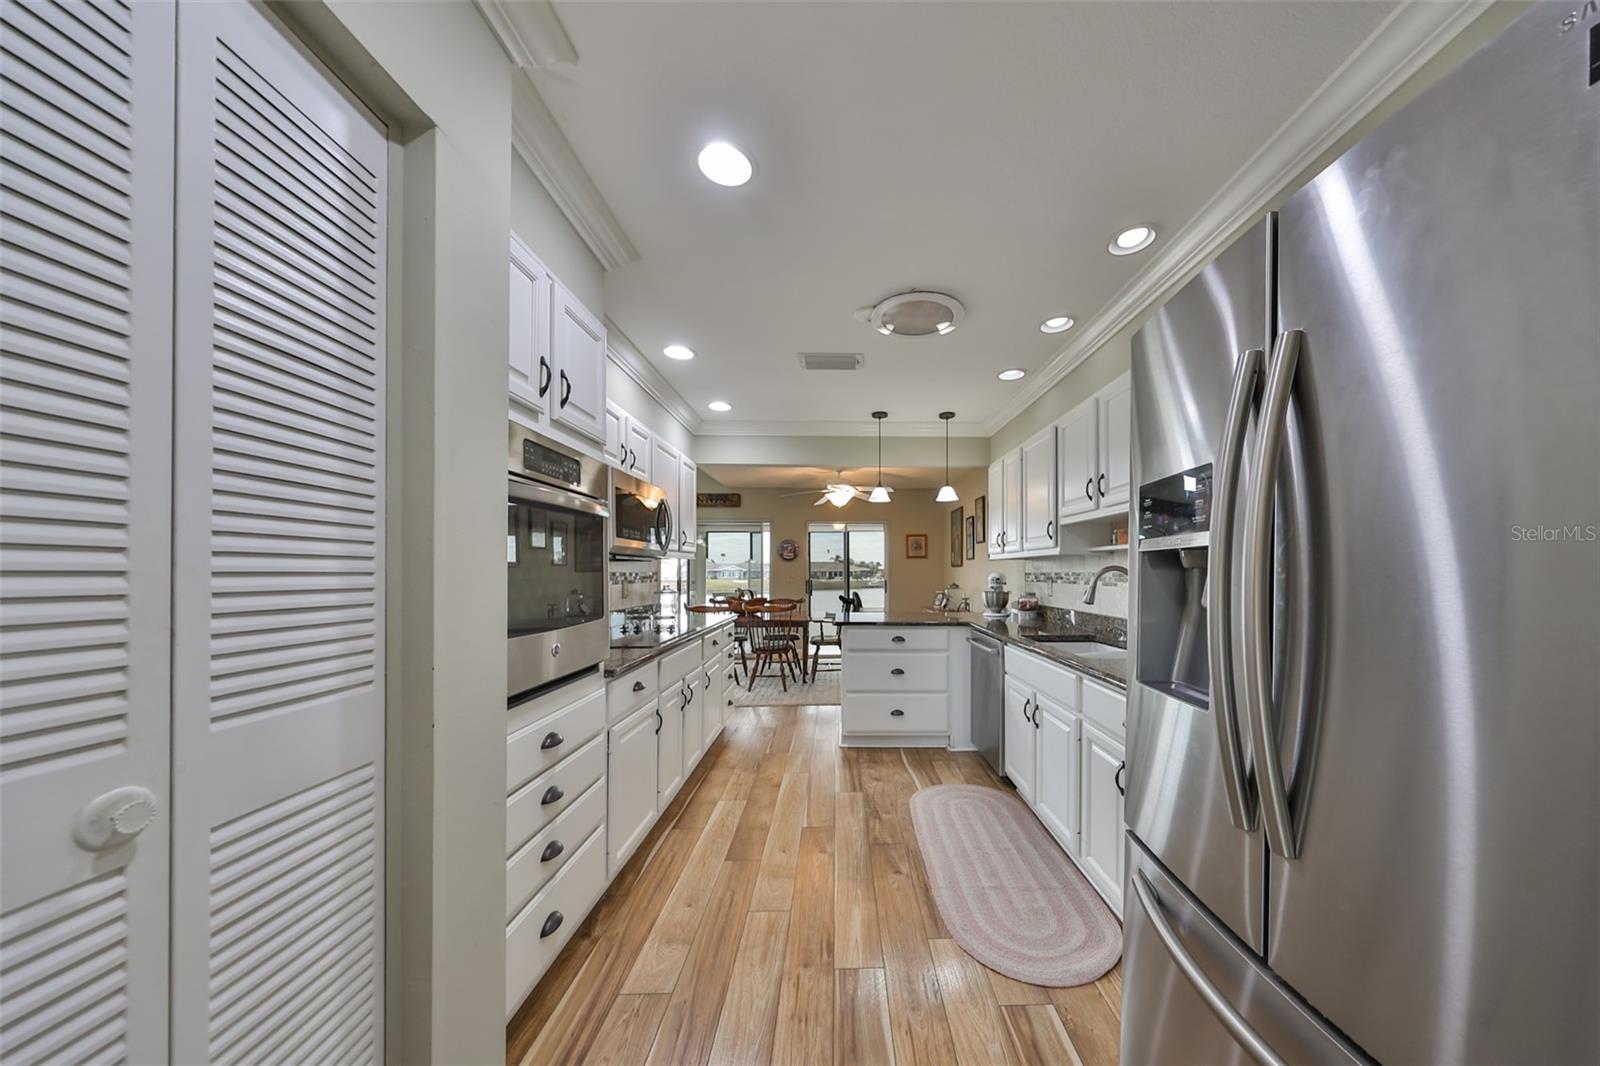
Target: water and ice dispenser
1174	515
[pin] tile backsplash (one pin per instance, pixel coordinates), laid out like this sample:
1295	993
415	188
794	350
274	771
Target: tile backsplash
1064	581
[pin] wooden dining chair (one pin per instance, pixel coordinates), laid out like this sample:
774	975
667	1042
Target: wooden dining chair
823	640
776	643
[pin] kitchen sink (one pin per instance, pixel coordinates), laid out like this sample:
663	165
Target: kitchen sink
1088	649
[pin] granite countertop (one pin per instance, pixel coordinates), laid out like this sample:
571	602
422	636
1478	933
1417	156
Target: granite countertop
1109	669
690	626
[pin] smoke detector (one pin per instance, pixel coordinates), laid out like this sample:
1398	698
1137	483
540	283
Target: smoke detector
915	314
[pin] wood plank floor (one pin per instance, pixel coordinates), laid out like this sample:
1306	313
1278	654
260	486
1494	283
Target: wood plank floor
779	913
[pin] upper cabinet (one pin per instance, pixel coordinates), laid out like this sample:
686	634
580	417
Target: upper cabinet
997	497
1039	491
688	476
665	475
529	365
637	443
1115	410
616	430
1076	466
579	357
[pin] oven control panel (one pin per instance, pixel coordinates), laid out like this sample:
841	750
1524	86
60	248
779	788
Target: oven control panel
551	464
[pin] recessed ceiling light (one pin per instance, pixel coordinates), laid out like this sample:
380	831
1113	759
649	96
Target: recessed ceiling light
1057	324
945	328
720	405
886	329
1133	239
677	351
1014	374
725	164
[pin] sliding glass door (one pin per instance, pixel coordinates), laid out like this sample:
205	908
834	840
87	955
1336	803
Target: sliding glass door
847	558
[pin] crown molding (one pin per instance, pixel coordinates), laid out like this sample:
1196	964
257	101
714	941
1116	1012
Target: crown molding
530	32
1408	38
538	139
858	428
624	355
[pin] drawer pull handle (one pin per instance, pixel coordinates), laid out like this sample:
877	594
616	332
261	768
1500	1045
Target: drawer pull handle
551	924
551	739
638	686
898	639
551	795
551	850
1121	766
897	672
897	713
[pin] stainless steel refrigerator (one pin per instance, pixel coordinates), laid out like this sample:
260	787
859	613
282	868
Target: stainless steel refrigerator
1364	761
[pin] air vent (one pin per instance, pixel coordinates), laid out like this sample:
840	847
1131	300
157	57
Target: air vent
831	360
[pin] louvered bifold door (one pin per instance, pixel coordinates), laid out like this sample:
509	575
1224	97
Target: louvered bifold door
85	475
278	584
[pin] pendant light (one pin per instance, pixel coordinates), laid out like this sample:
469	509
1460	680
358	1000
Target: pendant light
947	491
879	494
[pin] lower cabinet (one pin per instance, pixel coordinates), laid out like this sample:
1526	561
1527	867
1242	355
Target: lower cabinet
1057	731
694	733
1021	752
631	780
1102	815
669	748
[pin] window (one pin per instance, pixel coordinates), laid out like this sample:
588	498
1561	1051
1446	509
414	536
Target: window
845	558
736	559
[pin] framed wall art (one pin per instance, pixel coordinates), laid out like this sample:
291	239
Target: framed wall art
916	545
956	555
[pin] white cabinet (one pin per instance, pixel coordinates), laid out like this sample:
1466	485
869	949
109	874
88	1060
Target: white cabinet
997	509
1011	505
1077	442
1101	847
694	734
669	747
578	350
637	441
631	807
664	474
688	479
899	685
1115	407
1039	492
529	367
1021	743
616	436
1057	731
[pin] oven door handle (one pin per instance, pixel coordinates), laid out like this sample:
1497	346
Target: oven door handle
534	492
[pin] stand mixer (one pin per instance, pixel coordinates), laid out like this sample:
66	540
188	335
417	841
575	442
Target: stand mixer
995	597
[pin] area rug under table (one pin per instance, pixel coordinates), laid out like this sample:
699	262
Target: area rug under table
770	692
1007	892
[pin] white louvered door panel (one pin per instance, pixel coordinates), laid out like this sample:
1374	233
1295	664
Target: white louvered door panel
85	480
278	594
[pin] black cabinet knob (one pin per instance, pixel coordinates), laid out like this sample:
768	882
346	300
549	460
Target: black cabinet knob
897	672
551	850
551	739
897	713
551	795
551	924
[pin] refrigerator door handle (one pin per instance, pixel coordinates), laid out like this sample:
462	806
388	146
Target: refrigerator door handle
1226	1012
1275	817
1219	614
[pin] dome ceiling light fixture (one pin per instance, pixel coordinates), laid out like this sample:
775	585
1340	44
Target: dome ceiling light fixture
879	494
916	314
947	491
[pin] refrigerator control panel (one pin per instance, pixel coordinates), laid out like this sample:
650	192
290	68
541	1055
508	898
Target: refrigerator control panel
1176	506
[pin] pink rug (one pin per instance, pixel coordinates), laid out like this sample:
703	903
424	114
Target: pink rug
1007	892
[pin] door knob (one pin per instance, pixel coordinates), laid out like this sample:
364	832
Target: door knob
115	817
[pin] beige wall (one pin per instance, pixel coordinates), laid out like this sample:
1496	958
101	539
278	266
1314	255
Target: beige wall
912	582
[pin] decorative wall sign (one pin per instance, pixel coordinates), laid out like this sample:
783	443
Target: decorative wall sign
718	499
955	537
788	550
916	545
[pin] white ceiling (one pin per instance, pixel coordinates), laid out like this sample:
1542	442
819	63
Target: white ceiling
988	149
741	476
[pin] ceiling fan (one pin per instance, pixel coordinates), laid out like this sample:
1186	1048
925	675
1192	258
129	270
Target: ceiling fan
838	492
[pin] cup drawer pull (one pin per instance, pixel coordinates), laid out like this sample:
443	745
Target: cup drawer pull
551	740
898	639
897	713
551	795
551	850
897	672
551	924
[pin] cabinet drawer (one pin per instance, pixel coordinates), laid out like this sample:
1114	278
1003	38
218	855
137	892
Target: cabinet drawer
527	870
526	809
897	638
632	690
1048	679
877	713
540	744
1106	708
895	671
713	644
560	908
678	665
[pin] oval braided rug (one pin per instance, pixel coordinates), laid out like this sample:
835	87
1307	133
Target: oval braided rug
1007	892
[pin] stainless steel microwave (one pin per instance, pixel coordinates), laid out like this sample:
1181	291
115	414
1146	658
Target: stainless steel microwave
641	518
555	562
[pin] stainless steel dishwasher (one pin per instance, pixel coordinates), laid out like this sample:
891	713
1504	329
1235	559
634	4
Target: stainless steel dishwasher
988	699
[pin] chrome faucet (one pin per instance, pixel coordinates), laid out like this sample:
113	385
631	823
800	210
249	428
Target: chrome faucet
1095	584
